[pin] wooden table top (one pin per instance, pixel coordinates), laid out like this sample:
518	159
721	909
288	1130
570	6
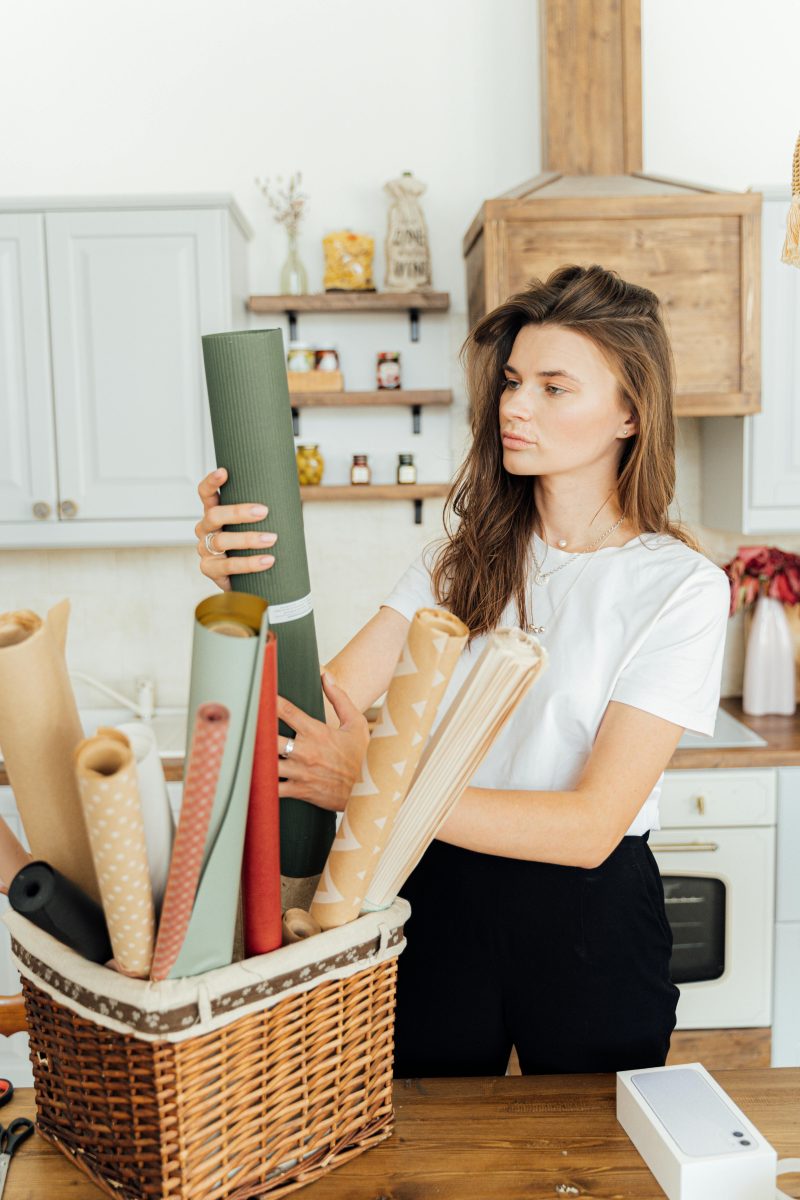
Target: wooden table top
478	1139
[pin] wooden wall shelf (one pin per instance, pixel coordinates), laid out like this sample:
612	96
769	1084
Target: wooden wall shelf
377	491
416	400
320	302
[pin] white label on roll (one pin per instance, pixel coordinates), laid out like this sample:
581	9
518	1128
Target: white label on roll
279	614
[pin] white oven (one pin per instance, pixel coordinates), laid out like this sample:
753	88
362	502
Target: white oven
716	854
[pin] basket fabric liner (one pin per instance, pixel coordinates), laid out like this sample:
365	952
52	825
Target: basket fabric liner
176	1009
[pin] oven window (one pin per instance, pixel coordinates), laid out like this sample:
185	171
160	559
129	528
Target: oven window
696	912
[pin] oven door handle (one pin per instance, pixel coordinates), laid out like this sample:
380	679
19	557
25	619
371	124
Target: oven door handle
679	847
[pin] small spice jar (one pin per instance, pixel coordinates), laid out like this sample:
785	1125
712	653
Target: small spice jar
388	371
300	357
406	471
360	471
327	358
310	464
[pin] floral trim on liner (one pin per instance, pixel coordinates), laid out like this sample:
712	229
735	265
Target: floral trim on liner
202	1011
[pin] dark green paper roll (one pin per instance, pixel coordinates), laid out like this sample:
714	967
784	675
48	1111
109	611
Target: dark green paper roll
251	417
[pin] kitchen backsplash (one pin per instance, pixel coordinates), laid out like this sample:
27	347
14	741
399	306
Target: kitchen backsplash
132	609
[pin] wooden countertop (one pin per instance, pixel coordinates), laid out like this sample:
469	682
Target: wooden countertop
782	735
512	1138
782	750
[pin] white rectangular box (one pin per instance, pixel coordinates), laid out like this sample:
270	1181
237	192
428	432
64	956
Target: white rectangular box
692	1136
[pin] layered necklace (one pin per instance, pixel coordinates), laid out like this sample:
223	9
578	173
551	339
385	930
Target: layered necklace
541	577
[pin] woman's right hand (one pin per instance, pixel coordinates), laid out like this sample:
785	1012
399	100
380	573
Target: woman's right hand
219	567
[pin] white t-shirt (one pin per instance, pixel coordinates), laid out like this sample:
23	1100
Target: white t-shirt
642	623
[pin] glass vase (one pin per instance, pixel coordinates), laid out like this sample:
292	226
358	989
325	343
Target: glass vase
768	685
294	280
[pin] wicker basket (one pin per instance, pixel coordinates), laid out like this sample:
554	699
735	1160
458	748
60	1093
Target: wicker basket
254	1079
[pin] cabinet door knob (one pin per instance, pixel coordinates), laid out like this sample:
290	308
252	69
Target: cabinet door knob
41	510
700	805
68	508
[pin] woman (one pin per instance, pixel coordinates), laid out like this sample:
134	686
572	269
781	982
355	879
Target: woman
538	913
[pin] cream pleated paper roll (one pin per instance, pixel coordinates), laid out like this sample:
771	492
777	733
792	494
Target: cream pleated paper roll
159	827
435	641
39	730
510	663
105	768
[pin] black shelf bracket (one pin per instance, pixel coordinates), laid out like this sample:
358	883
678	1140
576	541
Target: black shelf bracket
416	418
295	421
292	325
417	512
413	316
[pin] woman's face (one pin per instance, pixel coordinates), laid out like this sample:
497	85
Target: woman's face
560	408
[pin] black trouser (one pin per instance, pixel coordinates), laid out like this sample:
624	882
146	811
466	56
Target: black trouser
569	965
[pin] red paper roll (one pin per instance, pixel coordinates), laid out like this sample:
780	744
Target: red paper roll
261	871
202	774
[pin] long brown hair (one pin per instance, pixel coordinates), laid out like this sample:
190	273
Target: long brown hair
484	560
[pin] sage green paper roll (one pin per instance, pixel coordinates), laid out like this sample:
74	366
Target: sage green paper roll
251	417
225	670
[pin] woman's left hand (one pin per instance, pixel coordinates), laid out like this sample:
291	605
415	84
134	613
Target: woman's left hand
325	762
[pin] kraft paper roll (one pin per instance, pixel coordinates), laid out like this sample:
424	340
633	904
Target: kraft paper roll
251	418
13	855
261	870
39	730
209	736
298	925
159	827
432	649
56	905
105	768
508	667
225	670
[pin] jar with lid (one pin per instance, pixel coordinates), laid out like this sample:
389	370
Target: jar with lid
388	370
360	471
310	464
300	357
327	358
406	471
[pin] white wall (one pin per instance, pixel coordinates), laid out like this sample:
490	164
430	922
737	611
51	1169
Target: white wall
194	95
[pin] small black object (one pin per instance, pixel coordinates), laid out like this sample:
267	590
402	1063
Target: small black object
59	907
6	1091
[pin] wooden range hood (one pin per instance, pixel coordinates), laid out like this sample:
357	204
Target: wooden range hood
698	248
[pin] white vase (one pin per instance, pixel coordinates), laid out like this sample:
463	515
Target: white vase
769	662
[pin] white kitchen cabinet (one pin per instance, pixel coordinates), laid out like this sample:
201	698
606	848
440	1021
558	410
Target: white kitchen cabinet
27	461
751	465
786	1019
116	297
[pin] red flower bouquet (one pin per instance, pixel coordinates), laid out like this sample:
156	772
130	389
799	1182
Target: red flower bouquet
756	566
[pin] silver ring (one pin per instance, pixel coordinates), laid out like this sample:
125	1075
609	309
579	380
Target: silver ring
288	748
209	538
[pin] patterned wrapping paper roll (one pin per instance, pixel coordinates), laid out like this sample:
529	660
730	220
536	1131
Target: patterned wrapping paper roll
39	730
209	735
251	418
159	827
508	667
105	768
226	669
56	905
432	649
261	868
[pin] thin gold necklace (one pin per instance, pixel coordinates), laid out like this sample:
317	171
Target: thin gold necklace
587	553
541	577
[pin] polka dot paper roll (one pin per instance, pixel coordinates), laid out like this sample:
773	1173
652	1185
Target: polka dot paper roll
105	768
